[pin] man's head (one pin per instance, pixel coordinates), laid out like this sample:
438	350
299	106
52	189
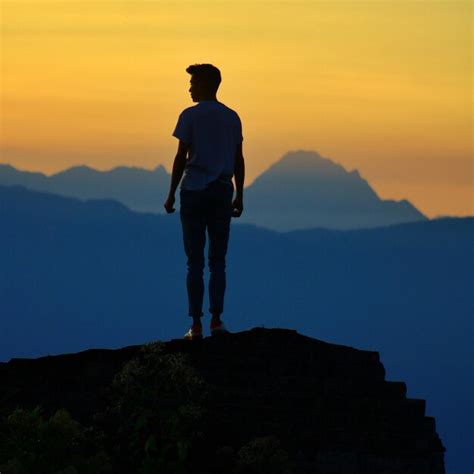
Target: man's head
205	80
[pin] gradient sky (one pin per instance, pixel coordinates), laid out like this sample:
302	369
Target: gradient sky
381	86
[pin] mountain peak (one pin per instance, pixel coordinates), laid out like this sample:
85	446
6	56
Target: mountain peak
78	170
161	170
306	161
7	171
305	190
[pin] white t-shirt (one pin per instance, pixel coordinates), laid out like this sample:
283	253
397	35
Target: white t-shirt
213	132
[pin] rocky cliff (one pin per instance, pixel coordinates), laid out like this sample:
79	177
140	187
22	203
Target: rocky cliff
273	400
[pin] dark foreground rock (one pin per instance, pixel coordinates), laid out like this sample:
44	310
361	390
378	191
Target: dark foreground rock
275	396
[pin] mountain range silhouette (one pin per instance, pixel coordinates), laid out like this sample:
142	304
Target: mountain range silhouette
302	190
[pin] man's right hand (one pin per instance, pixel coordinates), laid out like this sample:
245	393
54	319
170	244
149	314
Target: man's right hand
168	206
237	207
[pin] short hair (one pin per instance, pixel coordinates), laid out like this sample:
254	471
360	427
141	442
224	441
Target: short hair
206	74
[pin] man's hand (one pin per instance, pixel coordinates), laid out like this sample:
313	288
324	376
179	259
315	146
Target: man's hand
237	206
169	205
178	169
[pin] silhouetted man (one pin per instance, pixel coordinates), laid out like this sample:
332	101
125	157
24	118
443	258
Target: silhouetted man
209	154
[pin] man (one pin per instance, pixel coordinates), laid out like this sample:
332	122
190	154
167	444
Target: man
209	154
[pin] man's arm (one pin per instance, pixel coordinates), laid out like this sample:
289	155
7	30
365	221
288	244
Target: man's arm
178	169
239	175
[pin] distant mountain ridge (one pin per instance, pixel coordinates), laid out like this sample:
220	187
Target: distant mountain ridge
302	190
137	188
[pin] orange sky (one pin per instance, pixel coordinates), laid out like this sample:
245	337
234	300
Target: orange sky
381	86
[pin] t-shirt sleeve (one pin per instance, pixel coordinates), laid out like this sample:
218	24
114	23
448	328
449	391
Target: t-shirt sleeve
183	129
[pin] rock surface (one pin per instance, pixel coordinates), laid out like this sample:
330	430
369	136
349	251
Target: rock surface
329	405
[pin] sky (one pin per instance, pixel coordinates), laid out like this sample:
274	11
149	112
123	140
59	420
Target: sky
384	87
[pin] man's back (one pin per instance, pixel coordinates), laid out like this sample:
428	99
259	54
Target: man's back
213	132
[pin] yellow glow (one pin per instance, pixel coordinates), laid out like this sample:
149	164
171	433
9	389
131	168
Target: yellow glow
381	86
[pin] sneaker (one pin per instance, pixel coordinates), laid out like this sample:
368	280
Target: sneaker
218	328
195	332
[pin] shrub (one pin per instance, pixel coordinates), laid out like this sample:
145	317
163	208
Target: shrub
58	445
156	411
263	455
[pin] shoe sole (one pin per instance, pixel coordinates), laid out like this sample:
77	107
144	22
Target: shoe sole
197	336
218	332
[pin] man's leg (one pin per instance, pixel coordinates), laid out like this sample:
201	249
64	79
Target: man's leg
194	237
218	228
